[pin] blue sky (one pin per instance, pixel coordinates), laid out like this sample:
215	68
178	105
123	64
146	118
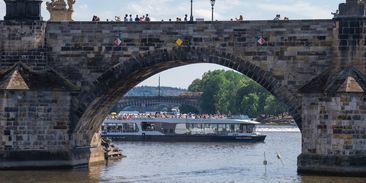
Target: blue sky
224	10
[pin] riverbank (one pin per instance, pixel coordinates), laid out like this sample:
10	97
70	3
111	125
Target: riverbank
283	119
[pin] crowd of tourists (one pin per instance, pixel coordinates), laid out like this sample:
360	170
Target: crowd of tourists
137	18
146	18
128	116
129	18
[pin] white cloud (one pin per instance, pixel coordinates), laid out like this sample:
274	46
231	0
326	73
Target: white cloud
45	14
297	9
83	11
2	9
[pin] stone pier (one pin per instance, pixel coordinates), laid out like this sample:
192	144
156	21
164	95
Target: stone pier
333	126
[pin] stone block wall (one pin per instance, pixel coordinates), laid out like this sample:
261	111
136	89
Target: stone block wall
34	120
294	52
334	125
23	42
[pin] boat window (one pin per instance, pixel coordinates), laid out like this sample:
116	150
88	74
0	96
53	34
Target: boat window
242	129
222	129
182	129
113	128
214	128
237	128
197	125
250	128
232	128
246	128
120	127
147	126
206	126
129	128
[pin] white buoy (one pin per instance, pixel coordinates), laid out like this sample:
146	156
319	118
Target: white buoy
280	158
278	155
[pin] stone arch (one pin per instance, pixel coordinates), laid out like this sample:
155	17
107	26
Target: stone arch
97	100
164	101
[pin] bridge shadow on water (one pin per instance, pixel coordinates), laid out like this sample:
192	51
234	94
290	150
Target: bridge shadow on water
82	175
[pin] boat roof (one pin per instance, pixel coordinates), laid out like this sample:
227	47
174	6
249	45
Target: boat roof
183	121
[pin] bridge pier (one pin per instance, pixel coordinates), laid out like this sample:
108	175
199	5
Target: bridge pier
333	134
30	156
36	122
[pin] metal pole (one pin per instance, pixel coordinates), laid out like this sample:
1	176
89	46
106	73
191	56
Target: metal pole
191	18
159	94
212	7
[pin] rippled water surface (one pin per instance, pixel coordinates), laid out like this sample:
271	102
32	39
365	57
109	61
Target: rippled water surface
192	162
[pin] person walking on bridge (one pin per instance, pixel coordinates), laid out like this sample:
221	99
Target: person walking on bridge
126	18
131	19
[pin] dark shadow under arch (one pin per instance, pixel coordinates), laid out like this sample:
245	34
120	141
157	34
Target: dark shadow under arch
98	99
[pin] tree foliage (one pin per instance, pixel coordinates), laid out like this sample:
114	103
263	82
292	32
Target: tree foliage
229	92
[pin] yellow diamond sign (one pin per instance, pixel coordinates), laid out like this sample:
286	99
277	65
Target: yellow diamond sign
179	42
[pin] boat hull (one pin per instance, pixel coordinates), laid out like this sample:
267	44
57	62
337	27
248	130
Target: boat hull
186	138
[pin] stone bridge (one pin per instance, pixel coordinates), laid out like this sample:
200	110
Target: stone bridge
167	101
59	80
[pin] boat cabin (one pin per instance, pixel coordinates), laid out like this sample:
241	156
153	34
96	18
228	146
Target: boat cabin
179	127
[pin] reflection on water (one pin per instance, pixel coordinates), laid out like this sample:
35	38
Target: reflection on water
317	179
191	162
80	176
85	175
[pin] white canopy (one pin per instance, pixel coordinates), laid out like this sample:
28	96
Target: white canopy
184	121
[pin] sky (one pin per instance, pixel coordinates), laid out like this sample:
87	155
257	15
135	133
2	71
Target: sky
224	10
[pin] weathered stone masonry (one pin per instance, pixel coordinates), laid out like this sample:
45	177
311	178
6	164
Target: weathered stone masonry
59	80
337	130
23	42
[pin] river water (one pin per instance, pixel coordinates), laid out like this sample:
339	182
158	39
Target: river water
192	162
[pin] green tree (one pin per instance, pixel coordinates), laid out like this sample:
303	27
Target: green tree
196	86
229	92
273	106
211	86
250	105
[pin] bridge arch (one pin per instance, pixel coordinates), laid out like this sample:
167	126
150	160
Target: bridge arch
97	100
167	101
